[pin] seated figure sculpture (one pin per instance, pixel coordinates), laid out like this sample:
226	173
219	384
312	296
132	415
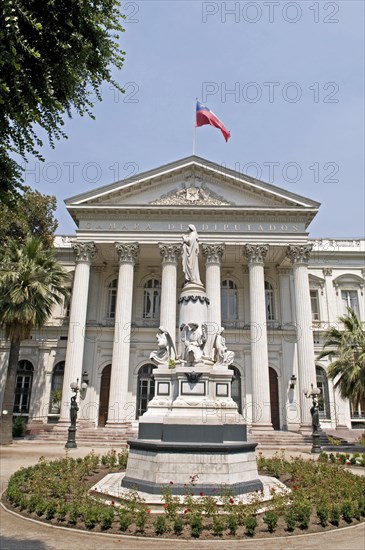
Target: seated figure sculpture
193	338
165	347
221	354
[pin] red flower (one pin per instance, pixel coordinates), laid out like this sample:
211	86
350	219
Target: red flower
231	500
201	493
187	511
171	482
165	505
148	511
113	502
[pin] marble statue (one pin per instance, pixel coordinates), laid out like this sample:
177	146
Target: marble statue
221	354
193	338
190	256
165	347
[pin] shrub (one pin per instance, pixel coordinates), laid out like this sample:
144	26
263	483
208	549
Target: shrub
109	459
106	518
347	511
271	520
335	515
141	519
51	509
62	511
40	507
250	526
290	519
73	514
232	523
160	525
323	514
361	505
123	459
19	424
178	525
32	503
303	514
196	525
125	519
218	526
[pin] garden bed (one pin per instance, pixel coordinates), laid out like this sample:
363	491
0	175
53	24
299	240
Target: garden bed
323	495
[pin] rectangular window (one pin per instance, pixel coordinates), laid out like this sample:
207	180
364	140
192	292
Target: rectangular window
314	305
350	299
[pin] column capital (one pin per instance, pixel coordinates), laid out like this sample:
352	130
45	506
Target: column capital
256	253
127	252
213	252
299	253
84	251
170	252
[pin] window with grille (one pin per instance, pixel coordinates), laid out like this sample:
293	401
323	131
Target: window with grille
269	302
23	386
314	305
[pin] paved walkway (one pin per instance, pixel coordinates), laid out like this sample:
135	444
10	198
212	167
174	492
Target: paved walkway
20	534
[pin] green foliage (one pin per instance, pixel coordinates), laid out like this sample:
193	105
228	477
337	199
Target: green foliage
335	515
196	525
31	213
178	525
361	439
125	519
55	57
91	515
347	346
303	514
334	440
232	523
172	503
250	526
290	519
323	514
271	520
19	424
109	459
106	518
160	525
74	513
218	526
347	511
141	519
62	510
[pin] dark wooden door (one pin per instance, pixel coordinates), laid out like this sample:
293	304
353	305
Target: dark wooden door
104	395
274	399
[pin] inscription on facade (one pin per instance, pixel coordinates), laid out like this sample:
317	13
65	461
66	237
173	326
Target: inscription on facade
216	227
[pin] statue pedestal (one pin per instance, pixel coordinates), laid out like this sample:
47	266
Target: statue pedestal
192	428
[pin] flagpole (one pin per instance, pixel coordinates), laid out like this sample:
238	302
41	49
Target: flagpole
194	127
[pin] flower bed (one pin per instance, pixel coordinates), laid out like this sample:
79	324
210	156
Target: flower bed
324	495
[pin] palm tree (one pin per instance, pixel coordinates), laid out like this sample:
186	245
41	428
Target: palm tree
31	283
346	350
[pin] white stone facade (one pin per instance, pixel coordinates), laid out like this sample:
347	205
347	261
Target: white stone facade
274	290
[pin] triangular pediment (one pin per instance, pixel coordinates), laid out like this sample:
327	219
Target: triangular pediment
191	182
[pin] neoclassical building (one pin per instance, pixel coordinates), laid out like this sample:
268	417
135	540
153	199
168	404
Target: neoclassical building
274	290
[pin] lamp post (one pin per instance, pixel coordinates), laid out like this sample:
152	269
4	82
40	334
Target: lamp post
313	393
71	437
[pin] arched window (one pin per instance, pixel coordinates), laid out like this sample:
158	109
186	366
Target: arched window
269	302
151	299
56	388
229	300
236	393
145	389
323	400
23	386
112	299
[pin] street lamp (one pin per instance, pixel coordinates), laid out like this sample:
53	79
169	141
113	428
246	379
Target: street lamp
71	437
313	393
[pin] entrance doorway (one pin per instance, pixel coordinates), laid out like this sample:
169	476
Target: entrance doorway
146	388
104	396
274	399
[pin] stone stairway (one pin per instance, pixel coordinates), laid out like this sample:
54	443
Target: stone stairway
280	439
85	435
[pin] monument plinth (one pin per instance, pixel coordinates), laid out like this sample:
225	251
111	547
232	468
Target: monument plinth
192	426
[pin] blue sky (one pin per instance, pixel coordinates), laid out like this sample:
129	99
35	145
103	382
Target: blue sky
286	78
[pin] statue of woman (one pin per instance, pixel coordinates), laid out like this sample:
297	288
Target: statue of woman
190	256
165	347
314	410
221	354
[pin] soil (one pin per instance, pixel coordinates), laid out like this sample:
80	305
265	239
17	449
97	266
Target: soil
207	533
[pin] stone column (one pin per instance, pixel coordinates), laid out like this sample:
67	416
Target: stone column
169	254
259	351
213	255
299	255
118	398
84	252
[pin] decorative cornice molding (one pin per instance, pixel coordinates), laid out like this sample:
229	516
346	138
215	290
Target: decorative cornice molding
170	252
213	252
127	252
256	253
299	254
84	251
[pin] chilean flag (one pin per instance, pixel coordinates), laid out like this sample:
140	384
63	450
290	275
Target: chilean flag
206	116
